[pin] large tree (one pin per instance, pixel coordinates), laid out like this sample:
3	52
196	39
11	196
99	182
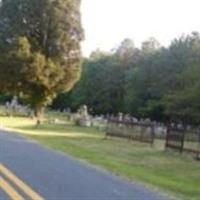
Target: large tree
40	48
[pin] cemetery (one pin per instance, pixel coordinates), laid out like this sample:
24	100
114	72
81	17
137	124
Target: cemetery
129	158
174	136
80	106
115	142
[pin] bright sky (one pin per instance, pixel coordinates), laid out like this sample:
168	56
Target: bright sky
108	22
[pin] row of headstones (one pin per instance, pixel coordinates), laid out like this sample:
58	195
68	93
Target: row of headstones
160	129
83	118
15	108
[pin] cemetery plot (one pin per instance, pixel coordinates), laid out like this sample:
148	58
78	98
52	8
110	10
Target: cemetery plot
183	140
175	139
131	130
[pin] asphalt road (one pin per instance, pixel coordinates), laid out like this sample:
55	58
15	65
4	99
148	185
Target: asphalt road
35	172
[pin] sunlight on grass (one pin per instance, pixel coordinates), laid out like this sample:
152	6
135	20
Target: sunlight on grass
28	126
169	171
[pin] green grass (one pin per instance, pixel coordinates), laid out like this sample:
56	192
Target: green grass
176	174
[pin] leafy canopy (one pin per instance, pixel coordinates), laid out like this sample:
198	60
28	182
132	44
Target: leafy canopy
40	48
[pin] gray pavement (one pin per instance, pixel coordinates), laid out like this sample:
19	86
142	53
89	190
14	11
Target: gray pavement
56	176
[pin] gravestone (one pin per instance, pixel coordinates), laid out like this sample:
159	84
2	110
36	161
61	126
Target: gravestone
84	119
14	108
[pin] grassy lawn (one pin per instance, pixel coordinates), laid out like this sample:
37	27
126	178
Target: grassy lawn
176	174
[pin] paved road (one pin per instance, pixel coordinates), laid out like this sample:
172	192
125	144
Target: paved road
35	172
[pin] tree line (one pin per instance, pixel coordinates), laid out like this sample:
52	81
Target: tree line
156	82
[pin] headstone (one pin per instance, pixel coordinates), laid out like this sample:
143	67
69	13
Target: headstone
84	119
120	117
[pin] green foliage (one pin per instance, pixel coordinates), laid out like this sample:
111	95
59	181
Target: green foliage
183	103
101	83
40	45
155	82
4	99
61	102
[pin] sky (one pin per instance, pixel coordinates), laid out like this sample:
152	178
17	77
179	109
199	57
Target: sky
108	22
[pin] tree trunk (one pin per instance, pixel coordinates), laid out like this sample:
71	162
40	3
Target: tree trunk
38	112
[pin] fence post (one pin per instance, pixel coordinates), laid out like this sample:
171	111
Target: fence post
198	150
152	134
132	125
108	127
182	142
167	137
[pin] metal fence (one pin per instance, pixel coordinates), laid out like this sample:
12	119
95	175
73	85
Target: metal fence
141	132
183	140
179	139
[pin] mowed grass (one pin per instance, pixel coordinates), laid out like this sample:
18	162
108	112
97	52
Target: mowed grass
178	175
